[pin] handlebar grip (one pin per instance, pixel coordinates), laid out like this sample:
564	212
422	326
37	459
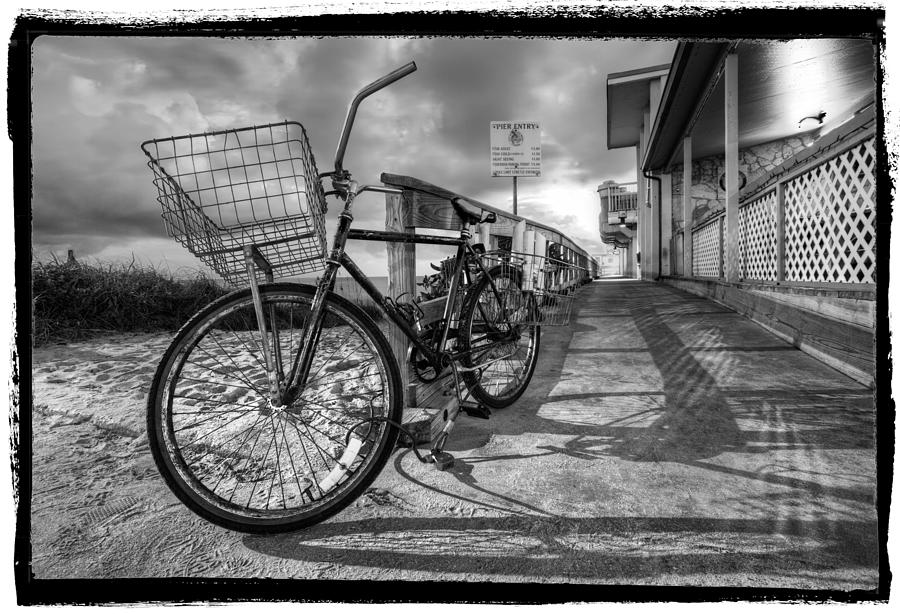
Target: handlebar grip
351	112
400	73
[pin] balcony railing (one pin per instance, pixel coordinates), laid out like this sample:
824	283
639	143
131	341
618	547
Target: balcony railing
621	196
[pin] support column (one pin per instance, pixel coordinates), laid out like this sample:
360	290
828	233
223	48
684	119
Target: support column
667	255
687	207
642	221
732	190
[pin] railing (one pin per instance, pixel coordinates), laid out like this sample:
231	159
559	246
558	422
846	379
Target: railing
618	203
423	205
708	255
622	196
815	225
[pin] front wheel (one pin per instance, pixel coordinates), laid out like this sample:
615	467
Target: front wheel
242	461
499	337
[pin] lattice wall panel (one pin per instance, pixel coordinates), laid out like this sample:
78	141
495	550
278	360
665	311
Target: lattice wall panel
829	215
707	246
758	259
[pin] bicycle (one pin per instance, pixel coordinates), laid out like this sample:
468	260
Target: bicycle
278	404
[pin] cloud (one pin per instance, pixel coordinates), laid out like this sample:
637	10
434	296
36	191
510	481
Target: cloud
96	99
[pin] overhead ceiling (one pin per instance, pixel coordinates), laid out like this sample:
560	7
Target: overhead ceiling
627	93
779	83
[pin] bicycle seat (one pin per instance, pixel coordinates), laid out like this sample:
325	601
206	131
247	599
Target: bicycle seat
471	217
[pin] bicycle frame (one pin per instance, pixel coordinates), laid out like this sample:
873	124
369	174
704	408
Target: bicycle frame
284	390
435	355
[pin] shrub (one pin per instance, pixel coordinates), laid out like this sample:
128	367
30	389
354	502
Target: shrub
73	300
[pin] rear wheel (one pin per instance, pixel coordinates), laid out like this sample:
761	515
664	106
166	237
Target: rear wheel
499	337
240	460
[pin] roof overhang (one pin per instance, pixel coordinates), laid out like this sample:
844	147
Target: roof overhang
779	83
627	95
694	73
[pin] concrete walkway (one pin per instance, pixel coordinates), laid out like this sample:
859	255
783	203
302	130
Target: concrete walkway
663	440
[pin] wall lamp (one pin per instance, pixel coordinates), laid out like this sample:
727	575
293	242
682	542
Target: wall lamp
820	119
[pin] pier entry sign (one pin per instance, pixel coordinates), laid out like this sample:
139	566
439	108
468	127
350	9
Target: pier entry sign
515	149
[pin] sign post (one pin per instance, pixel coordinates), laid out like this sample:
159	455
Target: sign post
515	152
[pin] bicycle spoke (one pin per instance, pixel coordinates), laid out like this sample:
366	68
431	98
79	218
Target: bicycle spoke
178	396
263	462
214	416
222	443
226	462
293	467
249	459
236	366
328	361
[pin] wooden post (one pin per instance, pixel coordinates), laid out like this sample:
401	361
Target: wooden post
529	265
484	231
779	231
540	250
518	238
687	208
732	189
401	277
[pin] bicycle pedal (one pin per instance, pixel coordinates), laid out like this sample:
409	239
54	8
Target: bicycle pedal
442	460
476	410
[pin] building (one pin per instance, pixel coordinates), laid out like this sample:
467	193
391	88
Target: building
756	185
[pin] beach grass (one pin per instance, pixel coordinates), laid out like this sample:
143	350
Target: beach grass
74	300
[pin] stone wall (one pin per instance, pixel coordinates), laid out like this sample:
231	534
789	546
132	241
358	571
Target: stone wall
754	162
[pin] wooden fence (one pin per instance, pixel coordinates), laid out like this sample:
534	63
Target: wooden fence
815	225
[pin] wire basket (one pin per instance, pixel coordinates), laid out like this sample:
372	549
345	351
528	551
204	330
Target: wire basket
221	191
550	281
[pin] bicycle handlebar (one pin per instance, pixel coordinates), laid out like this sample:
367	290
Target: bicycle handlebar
351	111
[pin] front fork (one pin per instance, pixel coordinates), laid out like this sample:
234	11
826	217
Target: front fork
284	388
300	369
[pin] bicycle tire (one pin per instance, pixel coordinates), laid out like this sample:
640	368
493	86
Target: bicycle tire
209	419
485	313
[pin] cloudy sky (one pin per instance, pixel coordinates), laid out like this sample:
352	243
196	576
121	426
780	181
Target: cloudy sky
96	99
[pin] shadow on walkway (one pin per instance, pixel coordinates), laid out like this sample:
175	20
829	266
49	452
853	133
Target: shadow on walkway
597	548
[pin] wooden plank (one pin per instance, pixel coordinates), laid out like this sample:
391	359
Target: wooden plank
432	310
846	347
436	402
437	194
850	344
433	212
860	312
423	423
